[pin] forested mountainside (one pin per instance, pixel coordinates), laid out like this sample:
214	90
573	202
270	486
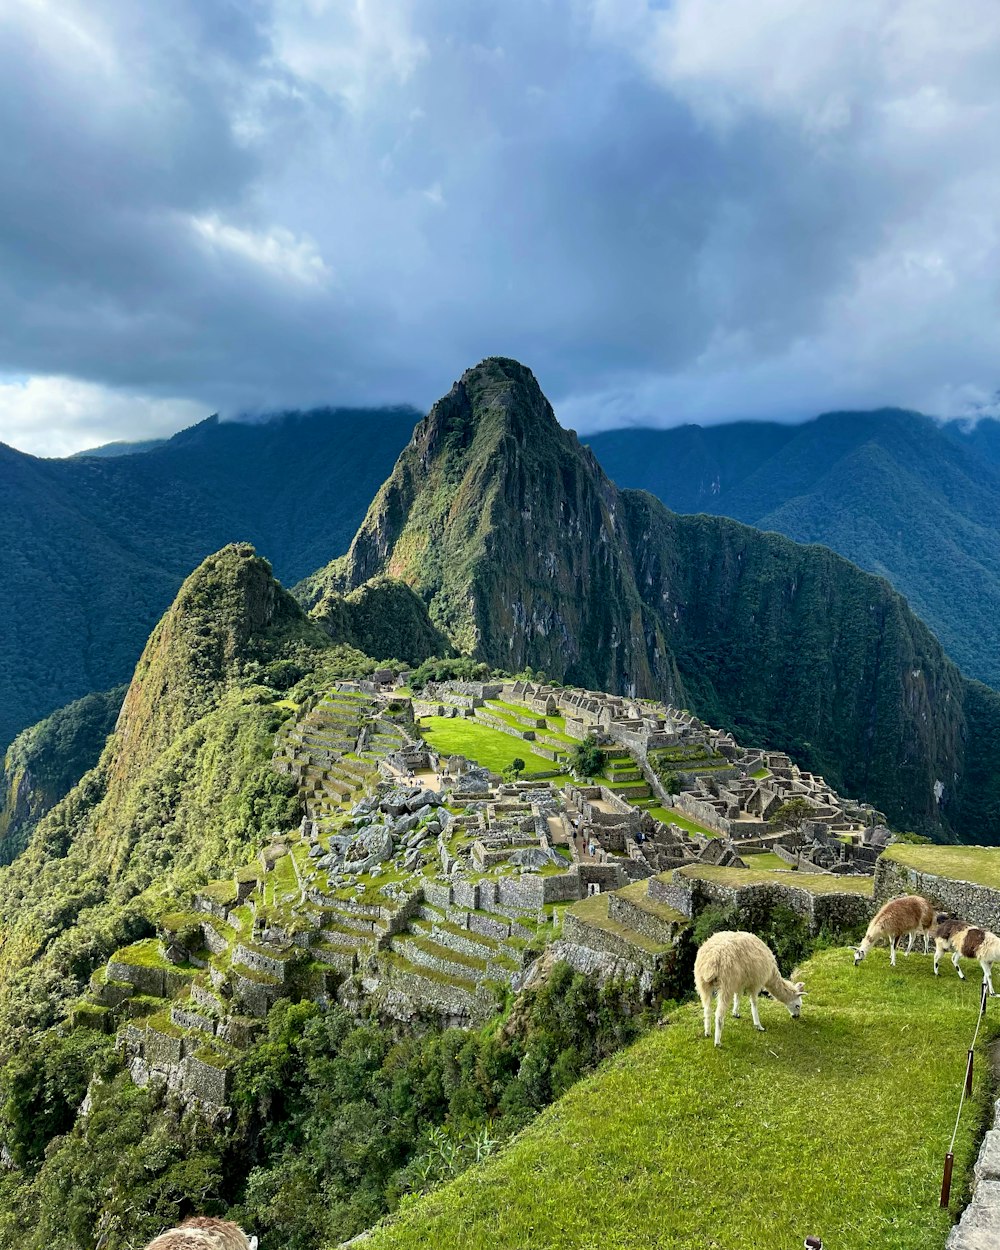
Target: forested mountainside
95	548
43	763
527	554
183	783
902	495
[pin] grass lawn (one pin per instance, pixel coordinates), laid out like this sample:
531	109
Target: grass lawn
489	747
815	882
760	774
670	815
766	859
834	1125
594	910
519	709
978	864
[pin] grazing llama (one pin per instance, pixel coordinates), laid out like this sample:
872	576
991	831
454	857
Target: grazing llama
964	939
204	1233
730	964
901	917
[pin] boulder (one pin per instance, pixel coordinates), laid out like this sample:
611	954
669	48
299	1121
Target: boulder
423	799
532	857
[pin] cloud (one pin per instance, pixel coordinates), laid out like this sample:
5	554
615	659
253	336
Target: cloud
699	210
57	416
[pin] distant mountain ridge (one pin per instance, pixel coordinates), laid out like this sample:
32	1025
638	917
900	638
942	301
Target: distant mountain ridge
96	547
897	493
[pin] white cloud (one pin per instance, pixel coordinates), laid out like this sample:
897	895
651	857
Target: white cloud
51	416
276	250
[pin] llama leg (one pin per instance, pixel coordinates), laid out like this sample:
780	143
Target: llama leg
706	1003
958	968
736	1006
909	944
892	951
720	1015
753	1011
927	943
937	960
987	968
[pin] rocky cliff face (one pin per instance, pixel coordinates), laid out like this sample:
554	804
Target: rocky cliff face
527	554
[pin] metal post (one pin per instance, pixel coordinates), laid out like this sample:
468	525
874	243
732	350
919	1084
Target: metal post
968	1076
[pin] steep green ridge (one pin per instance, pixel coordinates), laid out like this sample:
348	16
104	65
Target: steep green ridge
184	783
783	642
751	1147
96	547
44	762
384	618
508	530
896	492
526	554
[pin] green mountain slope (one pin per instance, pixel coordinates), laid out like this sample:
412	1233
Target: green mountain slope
526	553
184	784
44	762
897	493
96	547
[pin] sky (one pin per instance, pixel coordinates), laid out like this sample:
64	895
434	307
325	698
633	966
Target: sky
695	210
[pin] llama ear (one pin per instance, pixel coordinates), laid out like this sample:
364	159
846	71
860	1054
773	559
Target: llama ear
800	987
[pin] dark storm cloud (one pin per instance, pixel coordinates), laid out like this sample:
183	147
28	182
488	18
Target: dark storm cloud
671	212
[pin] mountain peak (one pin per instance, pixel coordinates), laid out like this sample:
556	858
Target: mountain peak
497	397
229	613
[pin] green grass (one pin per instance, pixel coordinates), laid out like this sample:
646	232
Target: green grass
144	954
670	815
834	1125
814	882
594	911
766	859
978	864
489	747
760	774
519	709
638	893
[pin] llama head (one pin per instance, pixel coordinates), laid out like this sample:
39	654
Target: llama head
794	1004
859	953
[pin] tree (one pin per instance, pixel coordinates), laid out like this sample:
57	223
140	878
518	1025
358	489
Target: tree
586	759
790	814
514	769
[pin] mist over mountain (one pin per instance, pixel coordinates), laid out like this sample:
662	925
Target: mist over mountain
900	494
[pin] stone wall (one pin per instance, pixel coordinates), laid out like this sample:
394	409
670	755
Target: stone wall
260	961
834	911
526	893
703	813
581	933
159	982
205	1081
645	922
976	903
257	996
